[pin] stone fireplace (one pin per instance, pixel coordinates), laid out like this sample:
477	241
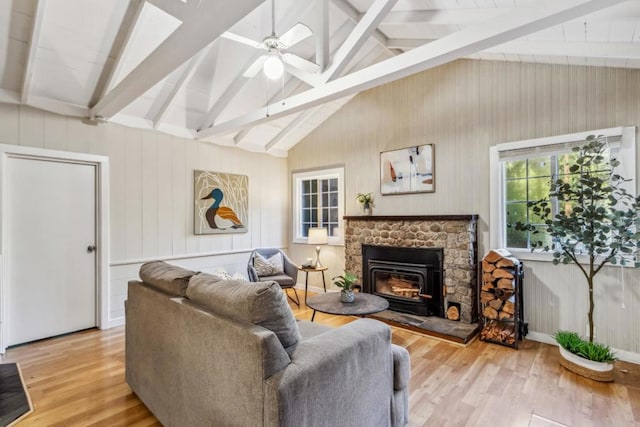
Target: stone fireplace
424	282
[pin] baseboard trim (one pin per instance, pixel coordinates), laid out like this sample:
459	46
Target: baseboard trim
624	355
115	322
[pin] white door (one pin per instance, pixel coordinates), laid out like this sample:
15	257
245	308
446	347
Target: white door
51	214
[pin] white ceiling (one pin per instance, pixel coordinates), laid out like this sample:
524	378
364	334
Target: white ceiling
162	63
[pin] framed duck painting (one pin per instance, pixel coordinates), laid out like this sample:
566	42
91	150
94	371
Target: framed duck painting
221	202
408	170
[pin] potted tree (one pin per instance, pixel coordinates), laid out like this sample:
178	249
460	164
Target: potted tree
598	220
346	282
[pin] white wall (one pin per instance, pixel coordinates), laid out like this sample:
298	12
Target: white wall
464	108
151	193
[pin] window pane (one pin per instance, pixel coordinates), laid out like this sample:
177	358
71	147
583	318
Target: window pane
516	190
516	239
333	200
539	167
516	169
306	201
516	212
538	188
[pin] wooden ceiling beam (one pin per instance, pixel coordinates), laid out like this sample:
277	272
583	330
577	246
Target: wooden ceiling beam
120	42
360	34
176	8
33	49
513	25
352	13
208	21
322	33
184	77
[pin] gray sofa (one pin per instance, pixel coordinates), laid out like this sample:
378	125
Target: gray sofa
201	351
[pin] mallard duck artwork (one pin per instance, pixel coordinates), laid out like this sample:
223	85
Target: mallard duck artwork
220	217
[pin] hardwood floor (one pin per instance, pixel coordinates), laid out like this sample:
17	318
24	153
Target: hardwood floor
78	380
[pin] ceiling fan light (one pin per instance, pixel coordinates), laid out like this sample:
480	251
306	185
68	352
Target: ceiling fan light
273	67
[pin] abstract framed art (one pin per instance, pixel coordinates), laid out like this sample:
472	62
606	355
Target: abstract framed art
408	170
221	202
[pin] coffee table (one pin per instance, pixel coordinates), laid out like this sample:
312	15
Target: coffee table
330	303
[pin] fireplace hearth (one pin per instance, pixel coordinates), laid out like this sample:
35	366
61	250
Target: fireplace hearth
411	279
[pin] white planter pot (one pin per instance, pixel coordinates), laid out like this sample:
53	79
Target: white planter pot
599	371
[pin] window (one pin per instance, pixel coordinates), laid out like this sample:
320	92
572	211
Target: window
522	171
318	202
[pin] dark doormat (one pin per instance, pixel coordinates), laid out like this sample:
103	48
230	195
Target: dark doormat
14	400
449	330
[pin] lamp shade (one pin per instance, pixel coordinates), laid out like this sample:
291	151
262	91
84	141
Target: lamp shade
318	236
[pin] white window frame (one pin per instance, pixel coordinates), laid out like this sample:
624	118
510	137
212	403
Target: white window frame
497	234
296	179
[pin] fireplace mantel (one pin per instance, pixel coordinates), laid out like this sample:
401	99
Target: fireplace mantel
473	217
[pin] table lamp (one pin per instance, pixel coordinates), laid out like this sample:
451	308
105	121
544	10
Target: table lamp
318	236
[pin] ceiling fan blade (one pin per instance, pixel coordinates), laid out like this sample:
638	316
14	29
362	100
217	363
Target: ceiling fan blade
255	68
241	39
301	63
295	35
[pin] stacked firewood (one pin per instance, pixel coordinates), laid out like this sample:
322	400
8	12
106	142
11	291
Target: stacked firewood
497	296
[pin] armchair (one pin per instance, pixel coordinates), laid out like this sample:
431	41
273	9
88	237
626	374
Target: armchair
286	280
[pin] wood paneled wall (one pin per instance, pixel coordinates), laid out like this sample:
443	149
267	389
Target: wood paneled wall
151	192
464	108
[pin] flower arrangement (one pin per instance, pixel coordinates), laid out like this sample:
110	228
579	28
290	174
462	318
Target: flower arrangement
365	199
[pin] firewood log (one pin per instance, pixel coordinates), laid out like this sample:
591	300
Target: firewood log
488	286
505	262
500	273
487	267
496	303
485	297
505	283
490	312
509	307
493	256
504	315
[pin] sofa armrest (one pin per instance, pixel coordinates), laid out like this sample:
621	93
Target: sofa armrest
401	367
341	377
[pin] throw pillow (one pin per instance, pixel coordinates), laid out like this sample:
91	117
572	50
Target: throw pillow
268	266
259	303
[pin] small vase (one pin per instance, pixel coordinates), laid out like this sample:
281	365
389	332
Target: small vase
347	296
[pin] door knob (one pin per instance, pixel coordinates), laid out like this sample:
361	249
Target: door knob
91	248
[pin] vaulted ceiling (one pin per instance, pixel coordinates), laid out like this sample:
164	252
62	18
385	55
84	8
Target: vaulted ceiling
177	65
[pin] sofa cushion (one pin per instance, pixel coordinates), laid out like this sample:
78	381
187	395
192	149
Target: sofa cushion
268	266
282	279
259	303
166	277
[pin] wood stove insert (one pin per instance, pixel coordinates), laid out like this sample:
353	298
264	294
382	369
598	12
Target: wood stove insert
411	279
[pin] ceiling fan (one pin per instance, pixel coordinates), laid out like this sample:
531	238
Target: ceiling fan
272	62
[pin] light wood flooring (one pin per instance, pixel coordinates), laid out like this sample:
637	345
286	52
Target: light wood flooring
78	380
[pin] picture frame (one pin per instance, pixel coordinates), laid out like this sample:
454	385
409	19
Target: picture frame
408	170
221	203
